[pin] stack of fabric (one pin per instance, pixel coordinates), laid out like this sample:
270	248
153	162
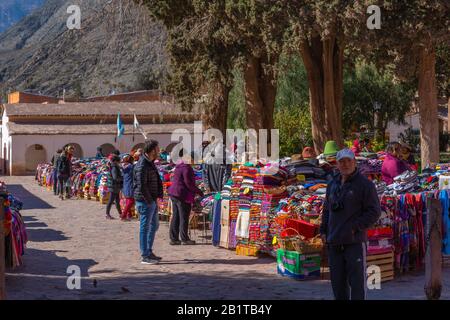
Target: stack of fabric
245	201
381	235
234	206
105	183
370	166
381	187
406	182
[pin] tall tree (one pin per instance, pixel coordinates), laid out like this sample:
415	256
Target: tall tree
201	61
409	35
318	34
257	25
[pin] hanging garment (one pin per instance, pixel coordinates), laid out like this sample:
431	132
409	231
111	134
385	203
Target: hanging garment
242	224
444	198
216	212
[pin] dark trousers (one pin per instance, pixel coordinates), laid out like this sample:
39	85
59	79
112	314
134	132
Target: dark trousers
62	180
179	223
55	183
113	198
348	271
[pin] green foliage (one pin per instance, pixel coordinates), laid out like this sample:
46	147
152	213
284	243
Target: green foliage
236	104
348	143
292	83
378	145
443	70
363	87
295	130
411	137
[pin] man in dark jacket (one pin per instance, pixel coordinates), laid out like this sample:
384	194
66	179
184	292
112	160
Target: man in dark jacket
147	189
55	159
64	168
350	208
115	187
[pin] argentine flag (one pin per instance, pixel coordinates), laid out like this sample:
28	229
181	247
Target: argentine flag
120	126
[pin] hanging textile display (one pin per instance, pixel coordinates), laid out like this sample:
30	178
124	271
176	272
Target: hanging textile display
15	231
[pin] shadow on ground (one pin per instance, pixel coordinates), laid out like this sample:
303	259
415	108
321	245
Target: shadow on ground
30	201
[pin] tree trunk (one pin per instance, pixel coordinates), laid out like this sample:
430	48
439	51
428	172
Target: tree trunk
448	122
215	116
429	123
323	60
313	67
330	73
253	101
260	93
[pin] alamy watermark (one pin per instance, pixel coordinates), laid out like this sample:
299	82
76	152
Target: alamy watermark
238	146
74	20
74	278
374	20
373	277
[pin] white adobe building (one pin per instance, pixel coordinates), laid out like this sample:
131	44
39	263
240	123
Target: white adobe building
31	132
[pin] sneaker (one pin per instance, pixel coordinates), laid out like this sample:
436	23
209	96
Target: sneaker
188	243
148	260
154	257
175	243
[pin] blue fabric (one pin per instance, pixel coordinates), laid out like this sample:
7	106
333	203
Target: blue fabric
120	126
443	197
128	189
149	224
217	205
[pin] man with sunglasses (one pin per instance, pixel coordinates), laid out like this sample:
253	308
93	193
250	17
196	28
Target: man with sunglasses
351	207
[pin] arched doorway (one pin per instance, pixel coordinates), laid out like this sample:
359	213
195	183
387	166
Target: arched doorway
78	153
139	145
34	155
107	149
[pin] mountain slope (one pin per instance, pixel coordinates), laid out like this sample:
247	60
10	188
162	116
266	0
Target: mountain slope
118	47
11	11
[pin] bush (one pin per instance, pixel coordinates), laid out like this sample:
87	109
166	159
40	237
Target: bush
378	145
295	130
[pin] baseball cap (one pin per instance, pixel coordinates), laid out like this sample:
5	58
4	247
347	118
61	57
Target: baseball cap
345	153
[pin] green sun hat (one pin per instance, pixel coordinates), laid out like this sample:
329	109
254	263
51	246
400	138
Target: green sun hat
331	148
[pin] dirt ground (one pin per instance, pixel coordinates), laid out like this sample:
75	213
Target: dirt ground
75	232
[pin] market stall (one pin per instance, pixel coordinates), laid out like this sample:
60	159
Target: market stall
277	210
15	235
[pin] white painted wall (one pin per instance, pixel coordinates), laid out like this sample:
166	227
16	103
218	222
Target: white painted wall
89	144
394	130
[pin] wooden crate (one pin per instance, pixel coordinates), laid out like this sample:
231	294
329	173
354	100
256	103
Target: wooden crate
386	263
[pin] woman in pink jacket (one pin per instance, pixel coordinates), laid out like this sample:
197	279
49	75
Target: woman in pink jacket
393	166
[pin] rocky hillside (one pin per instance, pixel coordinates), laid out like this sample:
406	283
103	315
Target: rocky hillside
11	11
119	47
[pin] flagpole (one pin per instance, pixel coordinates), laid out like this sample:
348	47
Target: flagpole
134	125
